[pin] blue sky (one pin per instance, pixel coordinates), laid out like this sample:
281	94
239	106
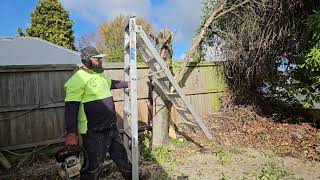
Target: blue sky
180	16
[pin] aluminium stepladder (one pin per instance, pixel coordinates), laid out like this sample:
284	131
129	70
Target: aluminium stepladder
163	78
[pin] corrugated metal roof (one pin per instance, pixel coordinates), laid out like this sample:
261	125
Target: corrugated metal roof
33	51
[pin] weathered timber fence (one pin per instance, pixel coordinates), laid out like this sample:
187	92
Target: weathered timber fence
32	107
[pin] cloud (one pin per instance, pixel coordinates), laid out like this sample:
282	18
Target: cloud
97	11
180	16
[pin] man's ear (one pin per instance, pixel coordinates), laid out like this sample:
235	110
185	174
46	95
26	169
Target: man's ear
88	63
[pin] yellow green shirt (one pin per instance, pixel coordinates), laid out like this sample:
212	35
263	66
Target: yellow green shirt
85	86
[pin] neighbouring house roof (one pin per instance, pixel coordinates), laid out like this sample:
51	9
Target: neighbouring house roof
34	51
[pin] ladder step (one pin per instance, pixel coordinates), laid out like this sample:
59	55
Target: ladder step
172	94
190	123
163	78
126	68
126	46
126	112
182	109
151	61
127	133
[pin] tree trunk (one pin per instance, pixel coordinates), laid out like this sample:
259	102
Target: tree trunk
160	122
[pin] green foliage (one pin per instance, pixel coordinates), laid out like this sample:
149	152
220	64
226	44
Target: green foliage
111	37
176	66
159	154
307	73
162	154
269	171
179	142
313	21
51	22
207	8
115	55
223	154
272	172
145	150
20	33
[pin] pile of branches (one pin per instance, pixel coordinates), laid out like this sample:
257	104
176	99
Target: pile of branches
242	126
257	37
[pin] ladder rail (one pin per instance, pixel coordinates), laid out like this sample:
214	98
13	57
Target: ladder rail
131	102
175	85
157	65
126	117
164	88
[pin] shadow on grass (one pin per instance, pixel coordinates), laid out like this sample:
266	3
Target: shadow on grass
152	159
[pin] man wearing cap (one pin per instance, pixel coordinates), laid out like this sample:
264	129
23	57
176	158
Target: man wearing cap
90	112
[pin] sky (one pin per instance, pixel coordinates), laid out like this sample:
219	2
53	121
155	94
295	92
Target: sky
179	16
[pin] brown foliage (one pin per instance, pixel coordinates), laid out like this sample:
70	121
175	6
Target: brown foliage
242	126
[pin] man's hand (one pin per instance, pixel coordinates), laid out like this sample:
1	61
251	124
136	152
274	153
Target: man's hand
71	139
129	84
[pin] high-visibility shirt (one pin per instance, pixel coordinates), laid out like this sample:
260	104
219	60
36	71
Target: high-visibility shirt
86	86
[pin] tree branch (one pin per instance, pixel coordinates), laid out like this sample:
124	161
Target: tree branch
215	15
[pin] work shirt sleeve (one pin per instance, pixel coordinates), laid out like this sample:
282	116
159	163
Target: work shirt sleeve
74	89
71	116
115	84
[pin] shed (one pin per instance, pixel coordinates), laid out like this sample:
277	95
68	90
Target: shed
34	51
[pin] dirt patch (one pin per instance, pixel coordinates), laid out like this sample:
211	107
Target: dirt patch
188	161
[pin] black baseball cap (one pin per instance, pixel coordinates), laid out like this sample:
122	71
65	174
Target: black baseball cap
88	52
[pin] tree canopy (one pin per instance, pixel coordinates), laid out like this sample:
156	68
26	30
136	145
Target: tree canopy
111	36
51	22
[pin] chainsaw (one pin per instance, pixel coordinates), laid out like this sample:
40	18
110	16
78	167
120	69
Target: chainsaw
72	160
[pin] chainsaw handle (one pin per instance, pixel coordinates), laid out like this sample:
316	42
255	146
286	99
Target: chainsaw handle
73	150
86	160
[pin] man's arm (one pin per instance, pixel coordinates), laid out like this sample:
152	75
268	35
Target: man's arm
115	84
71	116
71	122
74	89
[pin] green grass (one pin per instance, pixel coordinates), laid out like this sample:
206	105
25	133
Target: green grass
159	154
271	171
162	154
145	150
223	154
224	177
179	142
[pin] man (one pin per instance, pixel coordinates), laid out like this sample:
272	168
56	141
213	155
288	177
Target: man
90	112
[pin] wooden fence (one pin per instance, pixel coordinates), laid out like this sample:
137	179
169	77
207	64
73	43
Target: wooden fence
32	107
